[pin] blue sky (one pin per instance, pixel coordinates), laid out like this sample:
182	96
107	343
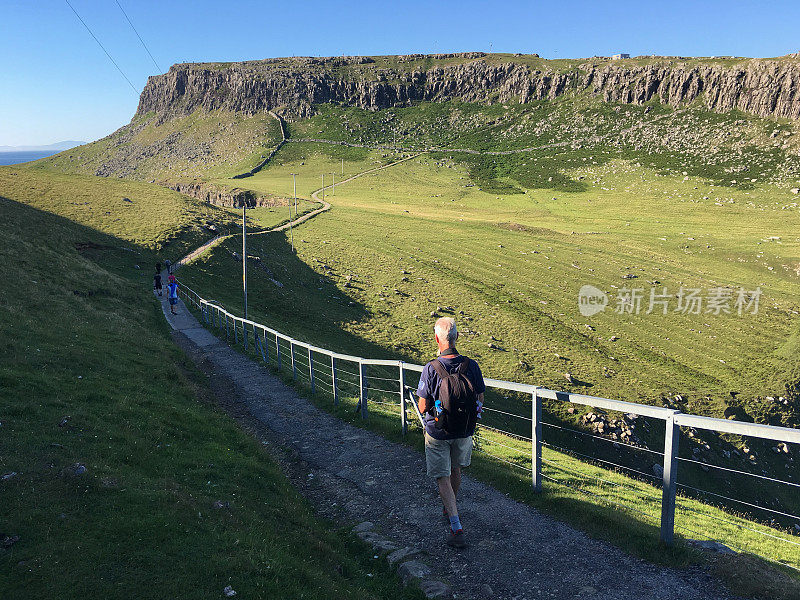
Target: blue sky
56	83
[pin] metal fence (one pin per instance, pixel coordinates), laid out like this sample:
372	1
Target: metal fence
389	383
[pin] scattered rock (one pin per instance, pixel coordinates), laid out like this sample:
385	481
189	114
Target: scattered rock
219	504
658	470
711	546
486	590
8	476
6	541
228	591
63	422
127	200
569	378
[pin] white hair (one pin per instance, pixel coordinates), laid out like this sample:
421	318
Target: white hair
445	329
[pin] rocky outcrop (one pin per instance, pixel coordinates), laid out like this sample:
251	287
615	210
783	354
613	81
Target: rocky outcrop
763	87
219	196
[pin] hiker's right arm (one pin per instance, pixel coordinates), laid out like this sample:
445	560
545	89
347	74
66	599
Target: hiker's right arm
423	404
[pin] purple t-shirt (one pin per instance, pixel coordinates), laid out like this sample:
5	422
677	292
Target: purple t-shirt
428	388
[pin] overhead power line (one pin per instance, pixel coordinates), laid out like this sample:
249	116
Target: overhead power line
121	72
160	70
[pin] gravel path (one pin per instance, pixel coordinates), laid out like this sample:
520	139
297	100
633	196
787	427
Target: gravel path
352	475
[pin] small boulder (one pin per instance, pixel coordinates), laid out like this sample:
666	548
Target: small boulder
361	527
402	554
711	546
413	569
433	588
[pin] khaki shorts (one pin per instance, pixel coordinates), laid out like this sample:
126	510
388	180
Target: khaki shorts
442	455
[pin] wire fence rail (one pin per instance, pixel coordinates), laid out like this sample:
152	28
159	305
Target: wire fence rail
335	370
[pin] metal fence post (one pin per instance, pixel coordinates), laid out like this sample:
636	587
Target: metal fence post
536	441
333	381
235	332
362	400
311	369
244	333
671	437
403	421
291	354
278	350
227	333
265	348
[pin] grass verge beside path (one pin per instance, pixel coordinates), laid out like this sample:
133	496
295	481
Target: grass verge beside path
118	454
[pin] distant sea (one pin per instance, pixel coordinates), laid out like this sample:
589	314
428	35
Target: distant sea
12	158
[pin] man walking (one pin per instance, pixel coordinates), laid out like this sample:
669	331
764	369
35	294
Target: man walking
172	295
157	283
450	395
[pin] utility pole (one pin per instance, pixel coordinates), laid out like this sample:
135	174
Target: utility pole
323	187
342	167
244	255
294	184
333	186
291	231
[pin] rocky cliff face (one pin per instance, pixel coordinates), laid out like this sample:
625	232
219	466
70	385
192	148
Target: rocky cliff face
219	196
763	87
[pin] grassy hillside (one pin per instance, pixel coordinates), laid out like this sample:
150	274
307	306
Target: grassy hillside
514	264
137	214
115	449
201	144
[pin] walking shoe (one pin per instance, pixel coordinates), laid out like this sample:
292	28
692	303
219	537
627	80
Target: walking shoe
456	539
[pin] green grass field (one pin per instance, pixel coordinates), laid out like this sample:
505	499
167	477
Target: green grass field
514	264
90	379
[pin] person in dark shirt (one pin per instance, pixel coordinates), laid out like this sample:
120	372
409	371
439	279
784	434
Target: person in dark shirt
157	283
446	454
